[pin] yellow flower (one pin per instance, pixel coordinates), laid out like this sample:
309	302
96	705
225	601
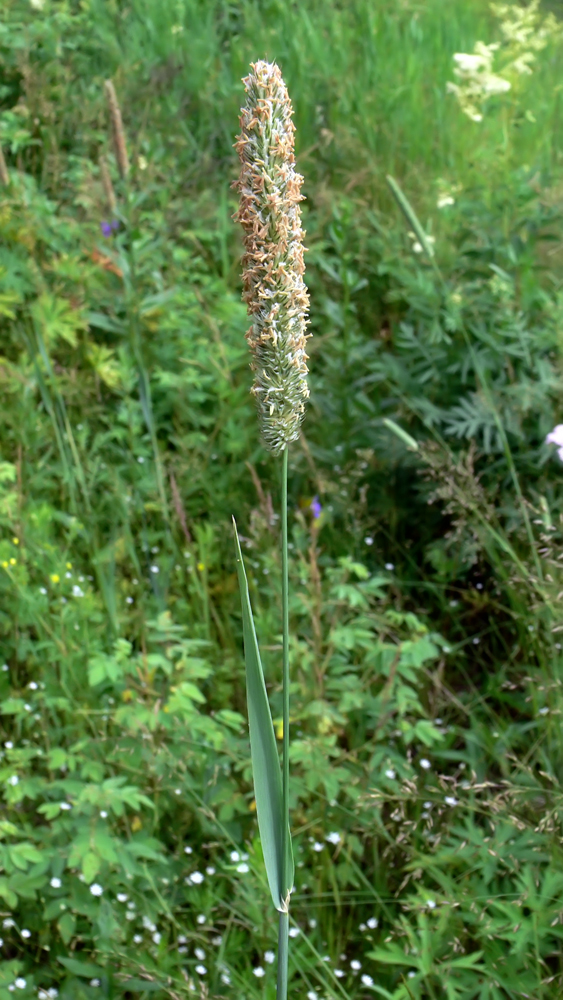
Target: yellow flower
201	567
5	564
16	541
55	577
69	565
13	561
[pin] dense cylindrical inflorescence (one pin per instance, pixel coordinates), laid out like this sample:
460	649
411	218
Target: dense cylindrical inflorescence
274	289
107	185
117	129
4	175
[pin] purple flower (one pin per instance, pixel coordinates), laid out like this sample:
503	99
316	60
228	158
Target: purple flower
109	227
316	508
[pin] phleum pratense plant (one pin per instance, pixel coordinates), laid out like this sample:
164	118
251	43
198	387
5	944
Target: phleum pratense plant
277	299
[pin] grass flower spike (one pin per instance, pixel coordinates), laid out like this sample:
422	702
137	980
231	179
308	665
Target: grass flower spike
274	289
117	129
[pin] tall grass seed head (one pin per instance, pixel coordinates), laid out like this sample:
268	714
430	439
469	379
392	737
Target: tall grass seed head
273	264
117	130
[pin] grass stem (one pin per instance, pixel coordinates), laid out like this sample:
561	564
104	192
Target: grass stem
284	917
283	950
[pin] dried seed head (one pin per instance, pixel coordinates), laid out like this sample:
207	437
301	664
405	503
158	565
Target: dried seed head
107	185
117	129
274	289
4	175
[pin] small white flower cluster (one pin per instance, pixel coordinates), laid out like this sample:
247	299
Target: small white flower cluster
476	79
525	33
556	437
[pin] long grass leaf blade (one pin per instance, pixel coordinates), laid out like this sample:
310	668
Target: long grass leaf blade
411	217
264	752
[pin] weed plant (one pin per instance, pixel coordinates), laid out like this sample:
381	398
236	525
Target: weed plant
425	564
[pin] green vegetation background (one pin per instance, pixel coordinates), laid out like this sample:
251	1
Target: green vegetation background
426	700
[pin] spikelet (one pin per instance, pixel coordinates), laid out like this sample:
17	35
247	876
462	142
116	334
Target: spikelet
107	185
117	130
4	175
273	266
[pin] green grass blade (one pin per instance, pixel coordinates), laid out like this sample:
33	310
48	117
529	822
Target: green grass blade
411	217
264	752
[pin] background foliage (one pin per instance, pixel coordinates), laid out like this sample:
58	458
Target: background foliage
426	752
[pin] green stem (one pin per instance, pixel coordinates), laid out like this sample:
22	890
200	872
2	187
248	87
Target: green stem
283	942
283	955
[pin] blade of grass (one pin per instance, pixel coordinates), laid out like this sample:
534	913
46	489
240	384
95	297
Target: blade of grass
265	760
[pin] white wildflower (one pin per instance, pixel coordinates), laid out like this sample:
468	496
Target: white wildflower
96	889
196	878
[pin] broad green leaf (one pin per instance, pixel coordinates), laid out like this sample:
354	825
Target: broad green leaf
90	866
84	969
7	894
265	760
67	926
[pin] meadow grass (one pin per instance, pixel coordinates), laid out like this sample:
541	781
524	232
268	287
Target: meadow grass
424	562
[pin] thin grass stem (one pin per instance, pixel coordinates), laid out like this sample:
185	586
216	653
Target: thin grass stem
283	956
284	917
